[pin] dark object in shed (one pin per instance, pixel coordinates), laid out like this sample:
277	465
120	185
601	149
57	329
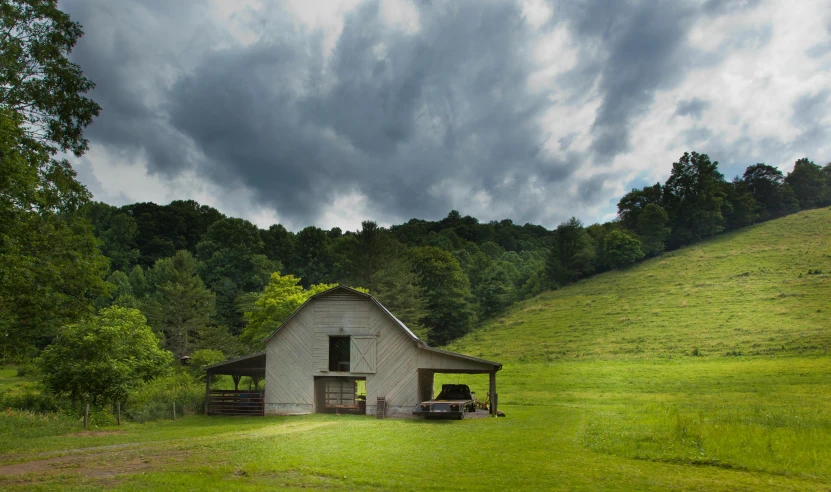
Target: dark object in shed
453	401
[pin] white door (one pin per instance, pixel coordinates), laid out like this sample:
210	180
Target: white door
362	354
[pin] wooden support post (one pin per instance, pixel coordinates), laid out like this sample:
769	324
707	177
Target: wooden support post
118	406
236	381
492	393
86	415
207	391
174	410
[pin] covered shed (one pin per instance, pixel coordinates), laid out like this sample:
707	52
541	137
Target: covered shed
236	401
343	351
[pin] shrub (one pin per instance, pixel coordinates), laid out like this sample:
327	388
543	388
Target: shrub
695	352
30	397
202	358
154	400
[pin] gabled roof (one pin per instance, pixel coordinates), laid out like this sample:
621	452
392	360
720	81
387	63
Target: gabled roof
351	291
420	344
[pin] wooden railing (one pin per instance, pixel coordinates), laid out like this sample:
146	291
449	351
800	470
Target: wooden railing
230	402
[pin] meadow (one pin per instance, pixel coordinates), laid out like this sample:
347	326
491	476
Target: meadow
703	369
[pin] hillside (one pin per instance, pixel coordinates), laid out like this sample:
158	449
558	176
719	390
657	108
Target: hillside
751	292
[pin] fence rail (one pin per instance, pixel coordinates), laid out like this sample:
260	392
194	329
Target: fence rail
230	402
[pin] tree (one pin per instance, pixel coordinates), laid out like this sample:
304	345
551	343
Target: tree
281	297
496	291
204	357
808	183
118	242
450	313
652	228
622	249
181	305
233	263
693	196
36	78
826	172
740	208
767	185
51	269
572	255
632	204
399	288
371	250
104	357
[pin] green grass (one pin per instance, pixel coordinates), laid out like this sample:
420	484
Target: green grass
9	377
600	386
747	293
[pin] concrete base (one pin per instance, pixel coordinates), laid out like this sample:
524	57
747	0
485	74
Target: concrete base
288	408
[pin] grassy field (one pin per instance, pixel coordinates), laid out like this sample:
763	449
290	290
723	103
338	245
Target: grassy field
9	377
600	385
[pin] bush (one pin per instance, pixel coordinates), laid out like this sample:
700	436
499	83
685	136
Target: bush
31	397
154	400
202	358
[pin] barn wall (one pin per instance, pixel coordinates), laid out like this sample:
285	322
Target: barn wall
300	351
396	376
289	380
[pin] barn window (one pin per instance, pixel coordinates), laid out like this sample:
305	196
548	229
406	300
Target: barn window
339	351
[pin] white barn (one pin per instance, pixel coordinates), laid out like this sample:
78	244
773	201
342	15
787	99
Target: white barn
337	342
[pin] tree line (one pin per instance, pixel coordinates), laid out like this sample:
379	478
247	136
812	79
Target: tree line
694	203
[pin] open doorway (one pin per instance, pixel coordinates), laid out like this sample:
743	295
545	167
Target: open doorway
339	354
340	395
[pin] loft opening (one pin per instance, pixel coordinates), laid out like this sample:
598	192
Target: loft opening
339	354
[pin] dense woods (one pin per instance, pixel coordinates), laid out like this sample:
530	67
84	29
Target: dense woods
203	281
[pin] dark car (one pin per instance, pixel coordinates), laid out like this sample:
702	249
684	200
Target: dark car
453	401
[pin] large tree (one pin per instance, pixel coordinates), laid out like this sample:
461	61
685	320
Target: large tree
622	249
572	255
808	183
233	264
652	228
181	306
767	185
693	196
37	80
102	358
50	267
450	313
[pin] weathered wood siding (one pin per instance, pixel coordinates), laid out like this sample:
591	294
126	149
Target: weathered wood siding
396	374
300	351
289	380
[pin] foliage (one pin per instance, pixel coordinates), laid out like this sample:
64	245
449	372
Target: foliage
102	358
232	264
50	266
399	288
204	357
622	249
450	312
808	183
181	306
281	297
572	254
652	228
693	197
36	78
154	399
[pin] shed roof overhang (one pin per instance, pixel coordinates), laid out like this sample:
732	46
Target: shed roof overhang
251	365
438	360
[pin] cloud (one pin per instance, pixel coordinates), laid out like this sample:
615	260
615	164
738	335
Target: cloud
389	110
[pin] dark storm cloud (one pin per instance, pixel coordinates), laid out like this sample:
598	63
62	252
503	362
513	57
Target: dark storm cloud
414	121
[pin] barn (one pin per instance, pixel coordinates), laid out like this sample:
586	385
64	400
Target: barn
341	351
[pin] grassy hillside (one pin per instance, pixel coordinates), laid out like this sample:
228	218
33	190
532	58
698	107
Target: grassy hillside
748	292
599	384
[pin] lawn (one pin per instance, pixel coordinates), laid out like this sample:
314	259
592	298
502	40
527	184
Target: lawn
703	369
9	377
715	424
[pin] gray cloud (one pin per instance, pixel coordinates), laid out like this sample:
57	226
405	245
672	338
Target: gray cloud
694	107
414	121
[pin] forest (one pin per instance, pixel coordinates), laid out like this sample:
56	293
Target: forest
212	286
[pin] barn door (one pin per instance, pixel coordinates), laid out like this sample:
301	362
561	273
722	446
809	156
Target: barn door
362	355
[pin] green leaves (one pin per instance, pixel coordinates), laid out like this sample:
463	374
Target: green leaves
101	359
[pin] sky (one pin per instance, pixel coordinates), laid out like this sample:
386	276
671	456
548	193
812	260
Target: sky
328	113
